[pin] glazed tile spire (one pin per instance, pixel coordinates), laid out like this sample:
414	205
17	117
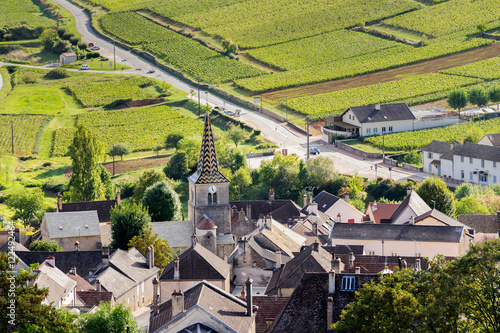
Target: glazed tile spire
208	164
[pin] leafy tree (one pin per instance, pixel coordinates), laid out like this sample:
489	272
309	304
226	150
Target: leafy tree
320	170
269	169
82	46
48	37
481	27
490	200
464	190
30	314
466	205
286	182
162	202
163	252
414	157
86	152
436	194
173	139
191	147
109	188
177	167
147	179
46	246
120	149
240	180
28	205
478	96
128	221
358	204
473	135
457	99
229	46
237	134
494	95
109	319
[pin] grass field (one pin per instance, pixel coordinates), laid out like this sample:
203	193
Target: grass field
97	65
18	12
34	99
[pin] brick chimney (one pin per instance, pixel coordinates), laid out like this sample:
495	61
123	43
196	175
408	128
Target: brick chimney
97	285
249	297
337	265
77	246
150	256
346	197
339	218
271	195
118	198
331	282
59	202
51	260
374	207
313	208
242	295
241	216
177	303
278	259
315	229
177	274
105	256
304	200
155	296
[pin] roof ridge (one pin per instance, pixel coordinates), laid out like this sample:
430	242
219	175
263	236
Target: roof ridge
296	266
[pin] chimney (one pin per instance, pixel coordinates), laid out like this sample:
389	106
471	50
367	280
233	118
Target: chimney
331	282
72	270
269	222
234	210
304	199
472	212
118	198
97	285
346	197
51	260
242	216
59	202
105	256
242	245
177	303
408	190
249	211
329	313
242	295
193	240
177	274
357	270
77	246
271	195
337	265
377	107
278	259
374	207
155	296
412	220
418	266
315	246
313	208
17	235
351	260
404	264
339	218
249	297
150	257
315	228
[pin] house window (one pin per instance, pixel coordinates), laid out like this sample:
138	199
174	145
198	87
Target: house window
367	131
429	155
462	174
142	286
470	175
482	163
494	164
494	179
390	128
375	130
461	158
383	129
348	283
483	178
470	160
349	116
137	290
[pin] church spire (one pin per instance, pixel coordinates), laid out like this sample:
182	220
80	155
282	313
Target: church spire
208	164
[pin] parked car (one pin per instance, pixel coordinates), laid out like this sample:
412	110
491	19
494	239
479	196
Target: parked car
85	67
91	44
314	151
229	113
151	71
219	108
95	48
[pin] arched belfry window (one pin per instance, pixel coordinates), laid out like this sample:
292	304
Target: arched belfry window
210	198
214	198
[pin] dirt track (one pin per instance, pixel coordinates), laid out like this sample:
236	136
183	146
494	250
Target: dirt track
430	66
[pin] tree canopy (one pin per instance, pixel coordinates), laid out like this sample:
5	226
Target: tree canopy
120	149
177	167
163	252
109	319
237	135
172	140
436	194
28	205
47	246
162	202
128	221
147	179
457	99
478	96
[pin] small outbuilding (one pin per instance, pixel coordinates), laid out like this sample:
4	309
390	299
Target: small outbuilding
68	58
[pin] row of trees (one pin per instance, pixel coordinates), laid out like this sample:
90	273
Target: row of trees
476	96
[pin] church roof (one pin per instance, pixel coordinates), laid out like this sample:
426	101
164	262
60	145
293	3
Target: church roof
205	223
208	165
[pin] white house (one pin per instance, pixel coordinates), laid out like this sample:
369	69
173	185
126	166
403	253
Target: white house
373	120
68	58
432	153
336	208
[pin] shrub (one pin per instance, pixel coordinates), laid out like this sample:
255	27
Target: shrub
67	35
74	40
57	73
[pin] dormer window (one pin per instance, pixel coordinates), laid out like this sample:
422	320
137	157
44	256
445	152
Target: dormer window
348	283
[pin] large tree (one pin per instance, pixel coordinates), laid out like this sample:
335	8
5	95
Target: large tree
478	96
237	135
320	171
147	179
468	205
86	152
120	149
45	246
172	140
177	167
162	202
28	205
494	95
240	180
109	319
163	252
128	221
457	99
437	195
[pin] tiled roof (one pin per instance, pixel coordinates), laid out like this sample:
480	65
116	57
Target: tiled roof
81	284
282	211
311	259
281	238
474	150
488	224
94	298
493	138
338	250
53	278
387	112
17	247
397	232
375	264
269	309
440	147
383	211
440	217
197	263
103	208
205	223
266	253
177	233
416	203
208	164
72	224
305	229
223	306
324	200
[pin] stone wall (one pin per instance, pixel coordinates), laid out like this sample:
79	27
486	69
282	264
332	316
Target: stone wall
357	151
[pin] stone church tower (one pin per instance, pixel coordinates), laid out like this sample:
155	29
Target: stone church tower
208	188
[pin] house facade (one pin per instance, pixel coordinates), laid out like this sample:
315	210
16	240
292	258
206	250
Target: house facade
432	153
334	207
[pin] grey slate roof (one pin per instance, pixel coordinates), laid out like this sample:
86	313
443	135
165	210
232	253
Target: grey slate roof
474	150
103	208
17	247
488	224
494	139
53	278
266	253
281	210
387	112
324	200
441	217
440	147
72	224
397	232
177	233
197	263
416	203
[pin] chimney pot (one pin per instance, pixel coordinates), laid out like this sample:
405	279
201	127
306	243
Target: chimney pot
315	228
278	258
155	296
242	216
193	240
374	207
313	208
331	282
177	303
339	218
249	297
150	257
357	270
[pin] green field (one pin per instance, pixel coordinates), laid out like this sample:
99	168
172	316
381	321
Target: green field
27	128
34	99
486	70
17	12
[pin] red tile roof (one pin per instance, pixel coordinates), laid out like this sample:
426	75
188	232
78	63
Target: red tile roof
93	298
384	211
81	284
205	223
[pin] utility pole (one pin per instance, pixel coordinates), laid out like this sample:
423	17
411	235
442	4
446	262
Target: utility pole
12	131
383	148
307	134
199	105
114	52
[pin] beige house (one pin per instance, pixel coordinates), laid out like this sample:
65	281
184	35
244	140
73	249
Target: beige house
334	207
68	58
72	230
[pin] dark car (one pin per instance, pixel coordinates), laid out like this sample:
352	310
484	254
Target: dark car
314	151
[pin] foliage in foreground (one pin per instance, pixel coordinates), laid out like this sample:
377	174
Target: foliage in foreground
109	319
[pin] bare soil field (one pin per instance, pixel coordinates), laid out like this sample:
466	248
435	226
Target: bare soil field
430	66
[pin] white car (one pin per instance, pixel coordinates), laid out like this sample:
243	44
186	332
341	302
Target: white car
84	67
95	48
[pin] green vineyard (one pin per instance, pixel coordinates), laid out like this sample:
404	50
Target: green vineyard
17	12
26	130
